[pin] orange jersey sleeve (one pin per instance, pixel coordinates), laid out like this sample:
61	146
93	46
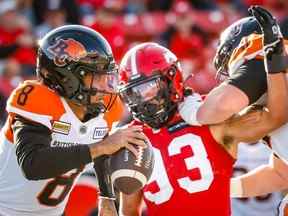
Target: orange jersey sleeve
35	101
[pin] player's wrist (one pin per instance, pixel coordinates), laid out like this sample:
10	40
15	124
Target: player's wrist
97	149
106	198
275	60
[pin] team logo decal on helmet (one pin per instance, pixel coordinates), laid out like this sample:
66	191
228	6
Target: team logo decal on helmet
69	53
236	30
67	50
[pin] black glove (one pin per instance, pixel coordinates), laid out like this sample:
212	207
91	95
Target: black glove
275	60
101	168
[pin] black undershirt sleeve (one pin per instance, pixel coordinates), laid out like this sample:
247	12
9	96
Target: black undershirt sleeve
37	159
251	79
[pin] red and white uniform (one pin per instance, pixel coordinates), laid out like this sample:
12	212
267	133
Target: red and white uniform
191	175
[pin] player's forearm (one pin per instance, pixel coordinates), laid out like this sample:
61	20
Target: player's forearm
38	158
277	100
130	212
47	163
130	205
221	103
107	207
97	149
260	181
275	63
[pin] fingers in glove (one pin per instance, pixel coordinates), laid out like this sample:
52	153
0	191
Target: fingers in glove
258	16
265	13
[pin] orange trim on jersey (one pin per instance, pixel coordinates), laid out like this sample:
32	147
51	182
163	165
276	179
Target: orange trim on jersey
7	128
115	113
286	210
34	97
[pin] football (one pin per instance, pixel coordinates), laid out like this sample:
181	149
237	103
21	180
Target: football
128	173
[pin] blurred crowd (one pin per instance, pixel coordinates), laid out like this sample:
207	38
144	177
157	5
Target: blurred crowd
190	28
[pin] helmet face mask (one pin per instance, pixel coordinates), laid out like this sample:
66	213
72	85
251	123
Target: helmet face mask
150	101
67	55
151	83
221	60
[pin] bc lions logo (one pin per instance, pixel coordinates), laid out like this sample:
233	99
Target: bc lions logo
67	50
236	30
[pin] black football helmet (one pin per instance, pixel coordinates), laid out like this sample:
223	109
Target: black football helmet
151	83
229	39
67	54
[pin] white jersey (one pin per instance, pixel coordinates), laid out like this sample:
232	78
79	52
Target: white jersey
250	157
279	142
283	207
19	196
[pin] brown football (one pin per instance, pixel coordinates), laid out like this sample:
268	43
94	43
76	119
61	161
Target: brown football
128	173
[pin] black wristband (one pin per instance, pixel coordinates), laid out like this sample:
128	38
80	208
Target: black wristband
275	60
277	64
104	179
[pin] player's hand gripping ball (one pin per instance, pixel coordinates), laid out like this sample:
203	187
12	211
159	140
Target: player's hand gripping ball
129	173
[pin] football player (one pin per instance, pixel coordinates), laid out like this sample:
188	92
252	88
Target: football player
240	57
193	163
56	126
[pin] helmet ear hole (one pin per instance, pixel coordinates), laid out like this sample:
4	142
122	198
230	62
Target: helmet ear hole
171	71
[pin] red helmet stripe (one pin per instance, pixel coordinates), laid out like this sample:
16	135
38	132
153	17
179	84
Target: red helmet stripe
134	61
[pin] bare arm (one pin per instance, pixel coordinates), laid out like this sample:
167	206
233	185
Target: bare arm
245	86
262	180
221	103
255	125
107	207
130	205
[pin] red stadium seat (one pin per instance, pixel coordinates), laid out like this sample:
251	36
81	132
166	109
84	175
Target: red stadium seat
83	198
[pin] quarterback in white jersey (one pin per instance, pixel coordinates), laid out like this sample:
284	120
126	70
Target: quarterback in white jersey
47	196
56	125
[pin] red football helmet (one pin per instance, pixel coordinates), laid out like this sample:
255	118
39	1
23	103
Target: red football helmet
151	83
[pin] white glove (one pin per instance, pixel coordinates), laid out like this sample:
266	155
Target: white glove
189	107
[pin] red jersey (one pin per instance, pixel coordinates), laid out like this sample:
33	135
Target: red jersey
191	175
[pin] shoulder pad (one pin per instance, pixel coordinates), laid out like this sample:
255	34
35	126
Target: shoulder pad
35	101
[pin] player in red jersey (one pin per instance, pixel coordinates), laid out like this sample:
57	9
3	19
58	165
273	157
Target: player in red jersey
193	164
241	56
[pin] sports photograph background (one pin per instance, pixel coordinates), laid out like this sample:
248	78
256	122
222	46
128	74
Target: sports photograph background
188	28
